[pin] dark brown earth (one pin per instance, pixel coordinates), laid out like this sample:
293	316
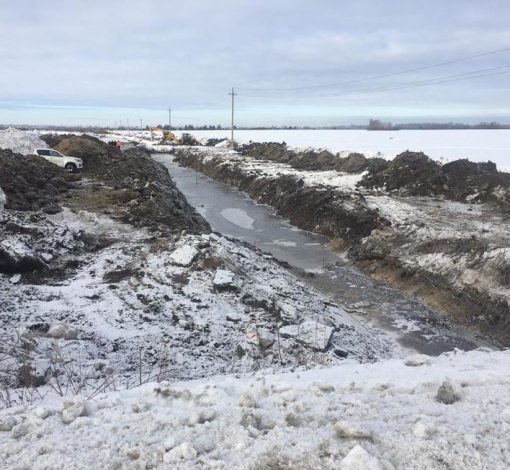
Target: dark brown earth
311	159
408	174
129	185
415	174
31	183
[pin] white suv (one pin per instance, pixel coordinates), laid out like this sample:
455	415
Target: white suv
71	164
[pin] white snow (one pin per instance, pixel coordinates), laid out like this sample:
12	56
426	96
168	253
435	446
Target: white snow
23	142
3	199
443	145
352	416
238	217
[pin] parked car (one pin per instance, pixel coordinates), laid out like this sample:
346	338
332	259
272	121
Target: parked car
71	164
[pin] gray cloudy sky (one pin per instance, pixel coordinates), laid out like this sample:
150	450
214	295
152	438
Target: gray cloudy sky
90	62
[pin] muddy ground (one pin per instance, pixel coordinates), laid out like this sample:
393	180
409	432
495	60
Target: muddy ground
452	256
128	185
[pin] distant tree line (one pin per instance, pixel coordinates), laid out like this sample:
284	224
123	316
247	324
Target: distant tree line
377	125
373	125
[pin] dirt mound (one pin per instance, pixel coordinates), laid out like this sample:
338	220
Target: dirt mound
31	183
357	163
410	174
142	192
475	181
312	160
52	140
96	155
212	142
415	174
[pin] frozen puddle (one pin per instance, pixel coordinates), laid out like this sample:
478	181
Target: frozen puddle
238	217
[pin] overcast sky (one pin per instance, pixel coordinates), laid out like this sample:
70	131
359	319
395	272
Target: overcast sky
100	62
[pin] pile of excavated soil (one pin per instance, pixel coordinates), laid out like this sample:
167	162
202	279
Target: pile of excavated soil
96	155
408	174
32	183
415	174
23	142
135	187
310	159
149	194
212	142
52	140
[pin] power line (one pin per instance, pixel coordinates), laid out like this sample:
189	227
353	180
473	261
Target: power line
383	76
430	81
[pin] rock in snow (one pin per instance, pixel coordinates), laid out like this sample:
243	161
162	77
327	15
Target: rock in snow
448	393
61	331
359	459
225	280
314	334
184	256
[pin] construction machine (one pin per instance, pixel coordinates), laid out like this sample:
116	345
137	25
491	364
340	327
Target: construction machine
168	137
188	139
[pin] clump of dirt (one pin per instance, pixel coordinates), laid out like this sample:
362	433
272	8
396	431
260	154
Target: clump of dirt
29	242
415	174
278	152
134	187
31	183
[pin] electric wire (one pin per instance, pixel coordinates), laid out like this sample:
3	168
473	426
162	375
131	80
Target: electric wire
440	64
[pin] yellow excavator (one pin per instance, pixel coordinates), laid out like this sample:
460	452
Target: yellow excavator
170	137
167	136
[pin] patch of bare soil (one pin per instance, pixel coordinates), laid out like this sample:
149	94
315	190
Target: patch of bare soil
31	183
129	185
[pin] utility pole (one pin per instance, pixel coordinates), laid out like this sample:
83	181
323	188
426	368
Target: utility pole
169	119
232	129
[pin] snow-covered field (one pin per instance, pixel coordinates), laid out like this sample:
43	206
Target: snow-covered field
476	145
444	145
383	416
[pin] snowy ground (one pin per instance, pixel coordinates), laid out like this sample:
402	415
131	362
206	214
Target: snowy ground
446	145
383	416
143	307
139	306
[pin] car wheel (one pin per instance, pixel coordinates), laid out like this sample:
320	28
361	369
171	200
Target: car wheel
71	168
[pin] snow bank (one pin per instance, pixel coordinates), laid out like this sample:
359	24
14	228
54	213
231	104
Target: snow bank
23	142
372	416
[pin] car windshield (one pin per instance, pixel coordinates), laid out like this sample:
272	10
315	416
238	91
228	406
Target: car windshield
54	153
